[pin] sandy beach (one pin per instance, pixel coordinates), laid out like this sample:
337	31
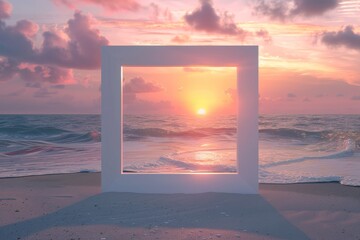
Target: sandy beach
71	206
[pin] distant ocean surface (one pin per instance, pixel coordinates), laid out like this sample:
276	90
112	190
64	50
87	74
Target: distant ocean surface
292	148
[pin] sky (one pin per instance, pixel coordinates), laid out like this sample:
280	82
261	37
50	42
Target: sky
309	54
180	90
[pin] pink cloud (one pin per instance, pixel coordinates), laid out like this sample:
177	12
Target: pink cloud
81	50
26	27
34	75
85	43
181	39
5	9
43	73
110	5
78	46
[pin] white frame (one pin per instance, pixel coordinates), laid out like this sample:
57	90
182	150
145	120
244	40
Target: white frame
245	58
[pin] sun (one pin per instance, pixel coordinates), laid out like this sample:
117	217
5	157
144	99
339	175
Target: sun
201	111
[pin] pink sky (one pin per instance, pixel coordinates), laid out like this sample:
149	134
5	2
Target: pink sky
50	49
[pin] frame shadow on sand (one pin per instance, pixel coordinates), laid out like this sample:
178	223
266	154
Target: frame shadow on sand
248	214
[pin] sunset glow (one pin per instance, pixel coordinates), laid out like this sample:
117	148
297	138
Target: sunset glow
201	111
179	90
308	58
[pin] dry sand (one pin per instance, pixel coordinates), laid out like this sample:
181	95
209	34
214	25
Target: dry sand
70	206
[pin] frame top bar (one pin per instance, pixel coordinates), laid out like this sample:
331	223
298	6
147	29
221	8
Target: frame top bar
220	56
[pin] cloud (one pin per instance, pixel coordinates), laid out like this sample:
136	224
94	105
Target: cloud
17	41
47	74
355	98
34	75
8	69
138	85
26	27
345	37
262	33
17	44
291	95
79	48
5	9
158	13
43	93
181	39
82	50
109	5
84	47
206	19
284	10
133	104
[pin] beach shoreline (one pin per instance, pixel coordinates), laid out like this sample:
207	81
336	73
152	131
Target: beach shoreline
71	206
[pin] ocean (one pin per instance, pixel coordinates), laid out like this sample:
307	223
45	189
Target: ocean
292	148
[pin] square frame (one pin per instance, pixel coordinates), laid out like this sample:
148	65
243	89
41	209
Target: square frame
244	58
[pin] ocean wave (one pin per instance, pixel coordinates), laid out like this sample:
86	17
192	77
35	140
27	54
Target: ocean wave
266	176
36	142
166	164
348	150
294	133
183	161
71	137
325	136
193	133
28	130
37	149
196	166
48	134
301	148
277	178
